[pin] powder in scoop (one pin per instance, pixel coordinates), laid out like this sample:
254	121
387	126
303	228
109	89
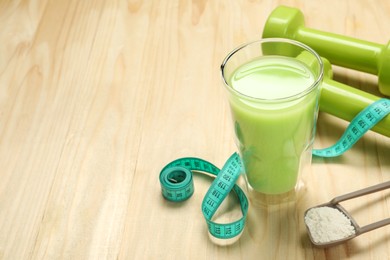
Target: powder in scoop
327	224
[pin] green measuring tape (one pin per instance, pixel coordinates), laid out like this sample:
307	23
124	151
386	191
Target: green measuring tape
177	184
363	122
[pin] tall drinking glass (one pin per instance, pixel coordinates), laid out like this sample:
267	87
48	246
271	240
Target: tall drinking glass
273	88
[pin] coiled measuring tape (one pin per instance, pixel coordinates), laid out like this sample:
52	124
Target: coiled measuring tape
177	185
364	121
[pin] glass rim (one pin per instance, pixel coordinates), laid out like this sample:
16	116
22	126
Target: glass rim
280	40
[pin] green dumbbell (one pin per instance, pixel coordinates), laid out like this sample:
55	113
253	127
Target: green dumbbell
346	102
287	22
342	100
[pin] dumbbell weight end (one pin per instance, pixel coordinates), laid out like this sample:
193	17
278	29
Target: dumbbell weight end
384	71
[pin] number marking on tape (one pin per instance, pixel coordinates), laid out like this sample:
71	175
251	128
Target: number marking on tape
363	122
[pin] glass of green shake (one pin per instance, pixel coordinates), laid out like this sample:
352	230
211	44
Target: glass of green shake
273	88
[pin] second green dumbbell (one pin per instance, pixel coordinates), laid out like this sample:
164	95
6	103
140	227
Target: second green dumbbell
287	22
346	102
342	100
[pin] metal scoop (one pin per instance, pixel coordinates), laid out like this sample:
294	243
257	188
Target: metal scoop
334	203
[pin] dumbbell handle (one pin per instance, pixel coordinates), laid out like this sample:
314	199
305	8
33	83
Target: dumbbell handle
346	102
342	50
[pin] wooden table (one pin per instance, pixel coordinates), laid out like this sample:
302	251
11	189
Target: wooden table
97	96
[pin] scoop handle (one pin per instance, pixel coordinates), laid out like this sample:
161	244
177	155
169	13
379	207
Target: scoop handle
362	192
374	225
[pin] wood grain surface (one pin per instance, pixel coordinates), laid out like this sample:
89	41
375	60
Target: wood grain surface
97	96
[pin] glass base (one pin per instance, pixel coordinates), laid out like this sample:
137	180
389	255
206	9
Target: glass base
258	199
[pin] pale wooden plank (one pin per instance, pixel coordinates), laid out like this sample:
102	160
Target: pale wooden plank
96	96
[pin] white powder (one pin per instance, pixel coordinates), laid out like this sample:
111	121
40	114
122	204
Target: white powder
327	224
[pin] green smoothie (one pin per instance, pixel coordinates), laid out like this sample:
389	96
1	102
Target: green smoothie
273	132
